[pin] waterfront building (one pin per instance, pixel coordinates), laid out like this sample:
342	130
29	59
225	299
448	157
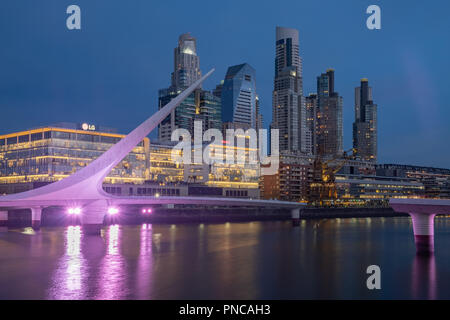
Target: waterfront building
51	153
291	182
37	157
238	95
435	180
162	167
154	189
376	190
288	107
365	125
329	133
239	174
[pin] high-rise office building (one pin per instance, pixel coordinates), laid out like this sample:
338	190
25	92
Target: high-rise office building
186	62
288	107
311	119
259	116
365	125
218	90
238	95
201	105
329	133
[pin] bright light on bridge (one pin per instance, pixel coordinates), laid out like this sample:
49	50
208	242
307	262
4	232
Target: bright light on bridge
113	211
72	211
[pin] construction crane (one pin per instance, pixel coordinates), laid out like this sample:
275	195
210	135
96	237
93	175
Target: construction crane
323	186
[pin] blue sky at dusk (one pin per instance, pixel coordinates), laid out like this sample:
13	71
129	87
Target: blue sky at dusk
109	72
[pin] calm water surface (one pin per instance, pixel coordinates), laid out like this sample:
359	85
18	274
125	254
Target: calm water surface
257	260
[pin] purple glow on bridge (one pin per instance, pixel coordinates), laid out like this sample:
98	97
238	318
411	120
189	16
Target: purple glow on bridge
113	211
74	211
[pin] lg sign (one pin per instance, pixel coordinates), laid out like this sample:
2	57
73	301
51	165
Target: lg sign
88	127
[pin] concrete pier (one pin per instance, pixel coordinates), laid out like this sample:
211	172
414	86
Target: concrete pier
295	214
422	212
423	226
36	215
3	220
93	217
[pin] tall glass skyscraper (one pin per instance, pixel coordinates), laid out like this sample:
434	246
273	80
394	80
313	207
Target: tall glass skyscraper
288	106
365	125
238	95
200	105
311	119
329	133
186	62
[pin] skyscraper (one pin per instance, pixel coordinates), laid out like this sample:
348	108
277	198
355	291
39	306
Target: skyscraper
329	132
288	107
239	97
186	62
365	125
200	105
311	119
259	116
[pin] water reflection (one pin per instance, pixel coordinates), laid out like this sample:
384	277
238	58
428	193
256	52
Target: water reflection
260	260
145	263
424	277
68	279
112	275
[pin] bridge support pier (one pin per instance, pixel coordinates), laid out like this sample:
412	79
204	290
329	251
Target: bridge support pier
36	214
295	215
3	220
92	219
423	226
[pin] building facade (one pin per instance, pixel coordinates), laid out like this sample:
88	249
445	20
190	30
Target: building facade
51	153
186	62
201	105
311	120
241	173
34	158
329	135
376	190
365	125
291	182
435	180
238	96
288	107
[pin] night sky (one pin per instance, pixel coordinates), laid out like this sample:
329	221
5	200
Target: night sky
109	72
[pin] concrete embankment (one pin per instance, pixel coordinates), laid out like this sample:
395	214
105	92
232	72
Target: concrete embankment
319	213
134	215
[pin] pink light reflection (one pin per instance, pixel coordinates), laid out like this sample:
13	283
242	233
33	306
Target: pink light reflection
112	280
144	274
70	274
424	282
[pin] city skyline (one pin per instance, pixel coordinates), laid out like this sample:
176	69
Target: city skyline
411	126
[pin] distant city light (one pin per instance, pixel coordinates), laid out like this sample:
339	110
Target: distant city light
157	195
112	211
